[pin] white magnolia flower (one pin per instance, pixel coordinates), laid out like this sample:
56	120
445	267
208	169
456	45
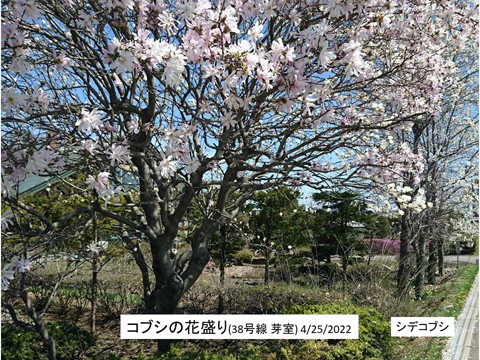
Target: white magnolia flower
89	121
167	22
191	164
156	51
210	70
61	60
99	183
243	47
12	100
42	160
126	61
89	145
120	154
281	52
326	57
93	249
255	31
22	265
109	193
133	126
167	166
172	75
353	58
228	120
230	20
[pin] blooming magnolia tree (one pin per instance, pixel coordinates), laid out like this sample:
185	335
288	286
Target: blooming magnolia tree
213	97
450	147
444	148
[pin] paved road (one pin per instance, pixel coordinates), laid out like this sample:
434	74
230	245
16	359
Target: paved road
472	259
450	259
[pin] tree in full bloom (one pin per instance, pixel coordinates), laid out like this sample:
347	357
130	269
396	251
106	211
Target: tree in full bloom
444	144
450	148
214	98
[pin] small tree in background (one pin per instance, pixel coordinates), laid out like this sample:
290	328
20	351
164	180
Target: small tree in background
274	220
343	215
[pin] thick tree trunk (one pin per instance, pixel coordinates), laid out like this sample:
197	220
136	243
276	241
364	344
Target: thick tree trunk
432	262
165	301
403	275
169	285
220	307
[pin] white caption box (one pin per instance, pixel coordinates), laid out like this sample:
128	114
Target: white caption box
422	326
147	326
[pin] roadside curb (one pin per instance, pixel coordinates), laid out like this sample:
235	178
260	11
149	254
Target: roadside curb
458	348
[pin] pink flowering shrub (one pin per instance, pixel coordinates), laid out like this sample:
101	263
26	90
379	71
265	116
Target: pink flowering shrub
384	246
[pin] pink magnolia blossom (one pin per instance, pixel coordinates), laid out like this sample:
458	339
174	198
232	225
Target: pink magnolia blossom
228	120
89	145
29	9
191	164
125	61
89	121
43	160
120	154
22	264
12	100
167	167
174	68
61	59
100	182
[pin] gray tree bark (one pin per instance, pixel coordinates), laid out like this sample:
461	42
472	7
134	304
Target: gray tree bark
432	262
403	275
440	255
40	327
420	266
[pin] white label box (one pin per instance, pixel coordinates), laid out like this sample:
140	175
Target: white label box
146	326
422	326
